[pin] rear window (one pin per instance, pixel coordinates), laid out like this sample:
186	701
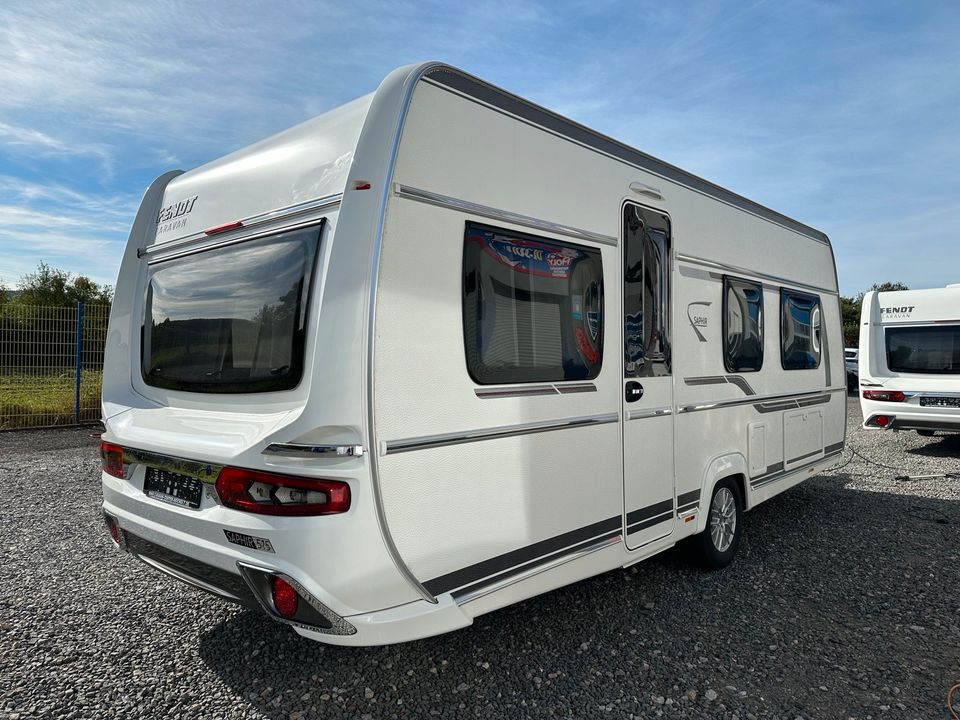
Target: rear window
232	319
924	349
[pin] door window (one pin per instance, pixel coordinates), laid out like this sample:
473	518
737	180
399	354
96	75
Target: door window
646	291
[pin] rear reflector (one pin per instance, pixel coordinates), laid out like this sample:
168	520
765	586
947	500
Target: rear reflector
111	459
113	526
285	598
881	420
884	395
223	228
269	494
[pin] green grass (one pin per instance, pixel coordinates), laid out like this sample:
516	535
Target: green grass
48	399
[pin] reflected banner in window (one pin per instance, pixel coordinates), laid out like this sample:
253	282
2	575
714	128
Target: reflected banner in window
231	319
532	308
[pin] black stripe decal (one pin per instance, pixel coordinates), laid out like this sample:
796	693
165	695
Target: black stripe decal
559	125
835	447
649	511
772	470
772	477
532	564
688	497
656	520
805	456
521	556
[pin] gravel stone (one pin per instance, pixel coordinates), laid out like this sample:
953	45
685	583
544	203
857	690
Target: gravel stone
850	578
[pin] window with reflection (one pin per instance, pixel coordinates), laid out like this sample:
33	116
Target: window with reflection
646	292
532	307
742	325
230	319
800	318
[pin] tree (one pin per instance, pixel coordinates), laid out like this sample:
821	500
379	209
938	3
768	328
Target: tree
53	287
4	293
887	287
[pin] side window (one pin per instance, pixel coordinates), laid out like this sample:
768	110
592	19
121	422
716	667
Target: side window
646	292
742	325
532	308
800	318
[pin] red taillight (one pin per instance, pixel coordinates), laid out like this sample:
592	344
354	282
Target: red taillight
882	420
111	459
285	598
269	494
884	395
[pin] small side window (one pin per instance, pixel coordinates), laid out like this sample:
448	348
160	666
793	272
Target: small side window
532	308
742	325
800	319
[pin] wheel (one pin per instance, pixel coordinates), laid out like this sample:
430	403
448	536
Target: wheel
721	538
925	433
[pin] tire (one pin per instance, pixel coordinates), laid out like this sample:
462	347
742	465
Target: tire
718	543
925	433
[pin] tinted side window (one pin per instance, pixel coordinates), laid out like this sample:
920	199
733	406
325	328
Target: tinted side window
800	318
532	308
742	325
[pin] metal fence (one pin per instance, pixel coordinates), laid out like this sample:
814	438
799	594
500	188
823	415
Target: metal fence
51	364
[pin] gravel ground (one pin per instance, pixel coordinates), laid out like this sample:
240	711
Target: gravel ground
843	603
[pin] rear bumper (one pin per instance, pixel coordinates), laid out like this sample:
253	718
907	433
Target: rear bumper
906	417
237	580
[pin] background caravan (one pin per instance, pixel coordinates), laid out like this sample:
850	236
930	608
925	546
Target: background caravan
440	350
910	360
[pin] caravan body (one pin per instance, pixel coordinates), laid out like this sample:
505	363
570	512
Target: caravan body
440	350
910	360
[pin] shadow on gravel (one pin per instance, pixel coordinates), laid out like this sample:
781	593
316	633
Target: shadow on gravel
940	446
838	604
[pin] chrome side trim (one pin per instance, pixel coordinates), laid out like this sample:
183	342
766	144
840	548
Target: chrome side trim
761	400
249	222
550	565
915	322
432	198
391	447
531	390
313	451
516	391
649	413
577	388
737	270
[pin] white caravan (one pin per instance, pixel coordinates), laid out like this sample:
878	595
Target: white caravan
440	350
910	360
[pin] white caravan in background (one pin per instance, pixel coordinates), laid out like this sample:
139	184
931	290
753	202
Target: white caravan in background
440	350
910	360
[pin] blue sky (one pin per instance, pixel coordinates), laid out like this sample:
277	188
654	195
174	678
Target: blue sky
845	116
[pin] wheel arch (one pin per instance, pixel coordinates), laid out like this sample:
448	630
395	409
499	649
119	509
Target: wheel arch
729	465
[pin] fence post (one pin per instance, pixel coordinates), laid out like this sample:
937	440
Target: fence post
77	364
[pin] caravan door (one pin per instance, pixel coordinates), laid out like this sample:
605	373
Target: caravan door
648	483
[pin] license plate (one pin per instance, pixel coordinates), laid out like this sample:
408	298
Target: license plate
940	402
173	488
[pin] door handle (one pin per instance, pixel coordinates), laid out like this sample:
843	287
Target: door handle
633	391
